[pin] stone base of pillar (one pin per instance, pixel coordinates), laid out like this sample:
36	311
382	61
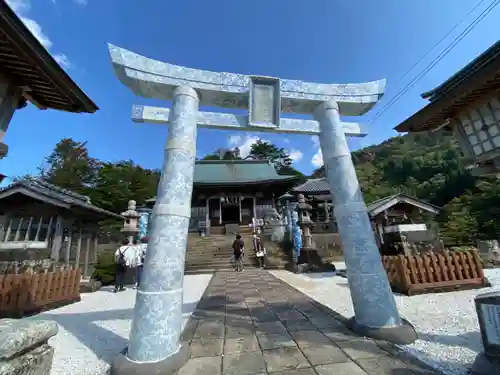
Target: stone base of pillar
168	366
400	335
485	366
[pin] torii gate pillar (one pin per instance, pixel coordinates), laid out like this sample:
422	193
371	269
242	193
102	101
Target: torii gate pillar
154	344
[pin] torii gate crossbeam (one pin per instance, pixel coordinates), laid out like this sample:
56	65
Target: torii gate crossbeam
156	326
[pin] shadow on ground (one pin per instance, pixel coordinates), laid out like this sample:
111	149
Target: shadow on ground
253	323
86	329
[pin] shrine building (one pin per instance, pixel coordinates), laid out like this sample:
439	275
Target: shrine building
233	192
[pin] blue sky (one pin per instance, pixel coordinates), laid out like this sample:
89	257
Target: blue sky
331	41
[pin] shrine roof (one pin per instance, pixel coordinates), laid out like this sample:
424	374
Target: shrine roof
475	82
380	205
53	195
319	186
27	63
236	172
313	186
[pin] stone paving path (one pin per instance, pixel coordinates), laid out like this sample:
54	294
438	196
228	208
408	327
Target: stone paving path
251	323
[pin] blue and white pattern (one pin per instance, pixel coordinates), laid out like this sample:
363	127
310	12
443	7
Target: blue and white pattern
372	298
144	222
229	121
156	325
156	79
158	312
296	233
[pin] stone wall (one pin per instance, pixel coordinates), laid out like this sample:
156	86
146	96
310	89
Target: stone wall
36	266
328	245
24	347
24	254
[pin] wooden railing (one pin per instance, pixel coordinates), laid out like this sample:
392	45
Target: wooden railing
26	293
432	272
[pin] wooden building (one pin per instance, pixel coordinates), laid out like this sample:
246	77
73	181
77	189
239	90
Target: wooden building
39	220
468	103
390	216
30	74
233	192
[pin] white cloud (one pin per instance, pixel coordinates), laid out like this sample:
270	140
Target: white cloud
296	155
317	159
233	140
79	2
243	143
21	7
62	60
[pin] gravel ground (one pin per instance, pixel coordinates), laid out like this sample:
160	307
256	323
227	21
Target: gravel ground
92	332
449	337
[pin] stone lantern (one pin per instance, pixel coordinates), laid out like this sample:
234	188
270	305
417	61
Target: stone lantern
131	224
304	210
309	258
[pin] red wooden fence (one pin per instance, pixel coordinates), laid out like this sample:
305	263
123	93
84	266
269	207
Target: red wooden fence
432	271
26	293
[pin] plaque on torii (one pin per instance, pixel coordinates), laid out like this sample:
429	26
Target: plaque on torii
155	332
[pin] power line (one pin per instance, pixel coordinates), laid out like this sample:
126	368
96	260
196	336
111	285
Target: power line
438	58
442	39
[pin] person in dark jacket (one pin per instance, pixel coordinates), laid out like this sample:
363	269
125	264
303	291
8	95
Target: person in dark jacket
238	248
121	264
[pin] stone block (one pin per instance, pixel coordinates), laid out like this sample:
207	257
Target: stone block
488	314
23	347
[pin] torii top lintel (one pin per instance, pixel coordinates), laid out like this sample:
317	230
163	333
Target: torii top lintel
156	79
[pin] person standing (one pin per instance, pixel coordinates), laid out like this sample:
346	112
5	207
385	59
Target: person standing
238	249
260	251
121	264
141	257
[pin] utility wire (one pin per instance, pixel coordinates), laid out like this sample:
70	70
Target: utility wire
438	58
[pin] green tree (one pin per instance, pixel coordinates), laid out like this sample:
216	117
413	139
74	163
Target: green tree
119	182
263	150
224	154
70	166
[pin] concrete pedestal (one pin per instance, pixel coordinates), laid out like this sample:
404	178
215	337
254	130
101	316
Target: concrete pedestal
376	313
488	314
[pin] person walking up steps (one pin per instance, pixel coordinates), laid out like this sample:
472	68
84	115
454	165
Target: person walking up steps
238	248
260	251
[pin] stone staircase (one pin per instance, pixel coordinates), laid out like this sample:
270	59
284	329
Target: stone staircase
214	252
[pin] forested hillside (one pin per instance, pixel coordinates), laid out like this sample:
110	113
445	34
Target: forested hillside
431	167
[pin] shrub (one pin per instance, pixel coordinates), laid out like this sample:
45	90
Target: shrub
104	270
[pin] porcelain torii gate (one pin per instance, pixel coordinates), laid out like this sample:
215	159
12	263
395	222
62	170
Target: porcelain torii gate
156	326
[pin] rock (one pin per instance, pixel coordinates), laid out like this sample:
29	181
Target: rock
23	346
90	286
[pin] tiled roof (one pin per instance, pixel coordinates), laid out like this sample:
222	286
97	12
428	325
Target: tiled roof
219	172
317	186
313	185
375	206
67	197
478	80
27	63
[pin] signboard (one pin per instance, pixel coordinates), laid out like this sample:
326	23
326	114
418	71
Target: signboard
264	107
491	321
